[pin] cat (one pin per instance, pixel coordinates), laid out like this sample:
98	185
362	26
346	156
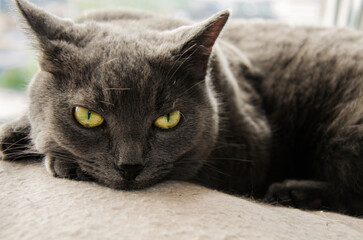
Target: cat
255	108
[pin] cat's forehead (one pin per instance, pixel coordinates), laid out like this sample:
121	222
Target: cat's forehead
120	80
123	52
119	69
132	38
123	59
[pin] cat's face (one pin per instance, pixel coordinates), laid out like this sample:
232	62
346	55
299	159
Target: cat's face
127	78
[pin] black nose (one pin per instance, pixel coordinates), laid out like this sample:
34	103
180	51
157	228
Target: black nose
130	171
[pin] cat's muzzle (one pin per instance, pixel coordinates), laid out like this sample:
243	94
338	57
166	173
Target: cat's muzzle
130	171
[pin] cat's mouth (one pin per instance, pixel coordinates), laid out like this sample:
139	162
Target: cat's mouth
126	178
117	179
130	184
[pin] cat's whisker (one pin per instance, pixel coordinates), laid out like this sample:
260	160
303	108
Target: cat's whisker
108	62
233	159
90	166
231	143
62	156
65	158
15	145
210	165
13	155
117	89
22	156
17	142
18	147
22	152
167	164
182	63
18	131
178	59
108	103
193	86
217	170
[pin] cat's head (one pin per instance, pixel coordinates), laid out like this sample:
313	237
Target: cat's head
129	101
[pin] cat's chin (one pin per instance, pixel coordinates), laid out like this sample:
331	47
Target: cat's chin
130	185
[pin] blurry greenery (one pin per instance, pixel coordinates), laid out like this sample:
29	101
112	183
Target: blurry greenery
17	78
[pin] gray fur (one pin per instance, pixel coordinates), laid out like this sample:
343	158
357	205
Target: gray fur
266	103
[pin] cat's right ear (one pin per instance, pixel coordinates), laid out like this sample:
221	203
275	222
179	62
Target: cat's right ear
53	34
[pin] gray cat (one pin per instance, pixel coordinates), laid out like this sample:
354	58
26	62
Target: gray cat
128	99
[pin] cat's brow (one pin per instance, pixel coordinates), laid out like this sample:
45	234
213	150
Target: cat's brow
117	89
109	61
108	103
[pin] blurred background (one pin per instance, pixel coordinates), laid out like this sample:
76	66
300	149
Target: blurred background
18	59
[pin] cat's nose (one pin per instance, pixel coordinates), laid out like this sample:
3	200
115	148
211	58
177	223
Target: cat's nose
130	171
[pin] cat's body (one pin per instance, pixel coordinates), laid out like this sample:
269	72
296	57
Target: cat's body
270	103
310	93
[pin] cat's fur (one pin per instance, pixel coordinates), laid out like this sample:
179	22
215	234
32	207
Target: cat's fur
268	110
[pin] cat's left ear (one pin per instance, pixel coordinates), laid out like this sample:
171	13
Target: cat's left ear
196	50
43	24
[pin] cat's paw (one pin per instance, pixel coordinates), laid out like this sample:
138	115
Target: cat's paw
300	194
15	143
65	169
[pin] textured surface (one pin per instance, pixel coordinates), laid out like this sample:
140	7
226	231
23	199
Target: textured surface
34	205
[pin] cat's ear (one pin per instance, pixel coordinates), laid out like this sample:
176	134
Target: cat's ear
53	35
44	25
200	39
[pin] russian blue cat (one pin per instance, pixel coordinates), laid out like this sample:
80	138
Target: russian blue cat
262	109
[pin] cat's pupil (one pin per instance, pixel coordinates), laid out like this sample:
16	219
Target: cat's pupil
89	114
168	117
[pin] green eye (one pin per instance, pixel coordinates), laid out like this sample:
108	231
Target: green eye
168	121
87	118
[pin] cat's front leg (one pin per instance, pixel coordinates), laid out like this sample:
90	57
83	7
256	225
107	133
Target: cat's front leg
15	141
303	194
62	167
314	195
16	145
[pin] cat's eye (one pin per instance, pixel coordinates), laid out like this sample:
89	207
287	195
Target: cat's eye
169	120
87	118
